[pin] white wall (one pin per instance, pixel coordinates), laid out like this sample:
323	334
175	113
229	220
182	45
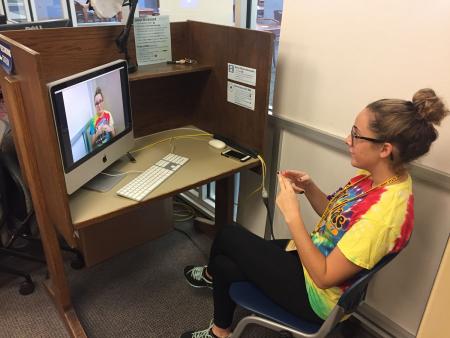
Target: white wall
79	107
217	11
344	54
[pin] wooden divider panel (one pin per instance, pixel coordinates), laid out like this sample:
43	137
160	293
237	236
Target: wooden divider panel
218	46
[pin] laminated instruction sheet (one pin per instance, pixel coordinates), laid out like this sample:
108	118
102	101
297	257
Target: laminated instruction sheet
152	38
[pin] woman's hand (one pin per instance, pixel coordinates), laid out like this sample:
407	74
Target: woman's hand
299	180
287	200
106	128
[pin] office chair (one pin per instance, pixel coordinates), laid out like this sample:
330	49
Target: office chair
270	315
16	210
17	214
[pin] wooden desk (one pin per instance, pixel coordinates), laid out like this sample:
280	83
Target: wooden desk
163	97
205	165
98	217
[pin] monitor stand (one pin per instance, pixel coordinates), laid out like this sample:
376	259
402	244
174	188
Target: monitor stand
104	183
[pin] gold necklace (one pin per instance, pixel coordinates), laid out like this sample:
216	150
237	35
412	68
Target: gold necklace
328	209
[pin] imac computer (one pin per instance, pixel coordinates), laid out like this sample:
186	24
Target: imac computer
92	114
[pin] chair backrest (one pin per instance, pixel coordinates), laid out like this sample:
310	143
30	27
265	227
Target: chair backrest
16	199
356	293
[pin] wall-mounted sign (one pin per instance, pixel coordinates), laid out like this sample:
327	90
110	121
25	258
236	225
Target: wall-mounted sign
242	74
6	59
241	95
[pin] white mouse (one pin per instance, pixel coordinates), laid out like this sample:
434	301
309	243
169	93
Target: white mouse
218	144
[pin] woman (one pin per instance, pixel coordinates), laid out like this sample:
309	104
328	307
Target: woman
371	216
101	127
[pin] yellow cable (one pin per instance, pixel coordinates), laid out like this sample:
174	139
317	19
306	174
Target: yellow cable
263	180
169	138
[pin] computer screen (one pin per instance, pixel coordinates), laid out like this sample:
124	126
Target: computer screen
93	120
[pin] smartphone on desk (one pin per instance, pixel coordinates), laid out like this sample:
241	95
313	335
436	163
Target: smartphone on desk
236	155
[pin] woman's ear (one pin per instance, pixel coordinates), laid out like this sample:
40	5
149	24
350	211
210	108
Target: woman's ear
386	150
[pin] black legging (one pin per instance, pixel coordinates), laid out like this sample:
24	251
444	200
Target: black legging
239	255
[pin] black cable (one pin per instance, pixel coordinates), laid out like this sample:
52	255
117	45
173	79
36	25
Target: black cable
269	214
193	242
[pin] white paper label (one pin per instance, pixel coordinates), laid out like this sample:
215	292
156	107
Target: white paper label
241	95
242	74
152	38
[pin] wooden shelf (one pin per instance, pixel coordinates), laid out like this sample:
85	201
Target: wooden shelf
164	70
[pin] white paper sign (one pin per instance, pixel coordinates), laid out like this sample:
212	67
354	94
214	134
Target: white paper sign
152	38
241	95
242	74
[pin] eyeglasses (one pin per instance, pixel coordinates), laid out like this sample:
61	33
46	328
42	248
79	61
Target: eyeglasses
354	134
98	102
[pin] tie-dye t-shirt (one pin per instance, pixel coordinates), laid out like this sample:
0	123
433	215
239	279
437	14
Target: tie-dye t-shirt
365	230
98	121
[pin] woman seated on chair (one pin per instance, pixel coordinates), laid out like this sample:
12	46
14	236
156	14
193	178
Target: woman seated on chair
369	217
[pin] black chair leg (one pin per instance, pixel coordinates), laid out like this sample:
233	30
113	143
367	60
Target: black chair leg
27	286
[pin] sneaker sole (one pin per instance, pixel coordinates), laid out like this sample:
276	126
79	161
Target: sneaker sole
197	286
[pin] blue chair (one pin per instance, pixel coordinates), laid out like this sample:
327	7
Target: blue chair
270	315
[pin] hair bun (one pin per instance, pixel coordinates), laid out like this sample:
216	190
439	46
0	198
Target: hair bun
429	106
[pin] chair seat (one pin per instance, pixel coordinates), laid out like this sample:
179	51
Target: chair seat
250	297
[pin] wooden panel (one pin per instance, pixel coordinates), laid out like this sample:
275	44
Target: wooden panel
67	51
108	238
166	103
180	39
219	45
434	322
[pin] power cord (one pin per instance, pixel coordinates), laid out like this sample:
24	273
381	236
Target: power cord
171	139
187	213
184	213
265	198
264	194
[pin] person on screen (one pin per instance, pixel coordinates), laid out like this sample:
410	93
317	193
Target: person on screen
371	216
101	126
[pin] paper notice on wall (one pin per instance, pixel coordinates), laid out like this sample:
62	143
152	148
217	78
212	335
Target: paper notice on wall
241	95
152	38
242	74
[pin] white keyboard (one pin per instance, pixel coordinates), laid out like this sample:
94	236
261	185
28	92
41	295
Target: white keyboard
150	179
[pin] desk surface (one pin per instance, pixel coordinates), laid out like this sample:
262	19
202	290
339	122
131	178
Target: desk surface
205	165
